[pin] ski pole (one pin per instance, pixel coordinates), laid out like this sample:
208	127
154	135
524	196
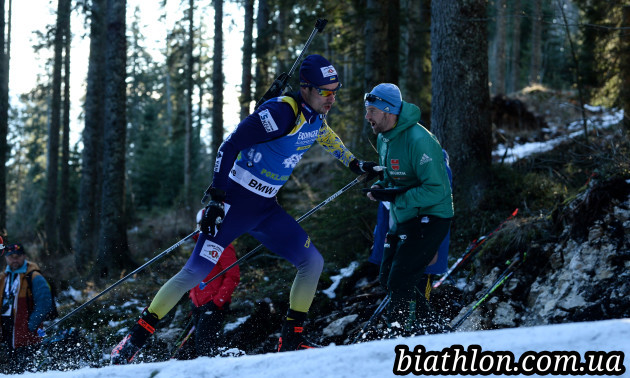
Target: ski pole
203	284
184	337
376	314
472	250
42	332
503	277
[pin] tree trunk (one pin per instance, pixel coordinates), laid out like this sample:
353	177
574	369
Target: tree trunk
64	199
381	45
515	62
382	33
169	88
262	48
4	119
217	80
246	79
416	81
370	42
113	249
52	221
460	116
392	14
576	65
624	95
499	49
535	65
88	209
369	67
283	8
188	134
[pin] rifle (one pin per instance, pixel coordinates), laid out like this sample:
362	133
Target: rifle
278	86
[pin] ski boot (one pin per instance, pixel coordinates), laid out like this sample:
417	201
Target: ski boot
127	349
292	337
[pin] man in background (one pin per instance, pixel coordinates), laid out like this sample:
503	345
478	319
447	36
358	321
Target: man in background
212	303
26	301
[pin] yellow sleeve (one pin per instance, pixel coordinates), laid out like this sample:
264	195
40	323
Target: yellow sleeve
333	145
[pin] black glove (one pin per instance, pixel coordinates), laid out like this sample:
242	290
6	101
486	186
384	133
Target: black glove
208	307
360	167
214	214
387	194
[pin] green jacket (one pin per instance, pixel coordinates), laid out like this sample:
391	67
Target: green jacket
414	159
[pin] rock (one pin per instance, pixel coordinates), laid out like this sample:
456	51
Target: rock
337	327
504	315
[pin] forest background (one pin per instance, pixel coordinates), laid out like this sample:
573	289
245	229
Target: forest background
130	187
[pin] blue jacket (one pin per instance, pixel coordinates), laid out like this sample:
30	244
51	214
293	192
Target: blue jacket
26	320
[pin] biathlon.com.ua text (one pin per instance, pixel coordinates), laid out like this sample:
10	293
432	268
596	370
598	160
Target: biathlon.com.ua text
474	361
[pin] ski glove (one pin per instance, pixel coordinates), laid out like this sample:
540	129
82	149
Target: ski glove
360	167
384	194
214	214
206	308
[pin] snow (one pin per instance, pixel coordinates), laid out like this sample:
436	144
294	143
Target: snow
598	121
594	109
73	293
377	358
345	272
234	325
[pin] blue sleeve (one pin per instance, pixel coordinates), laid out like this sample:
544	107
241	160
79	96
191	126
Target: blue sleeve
42	297
448	167
380	232
271	120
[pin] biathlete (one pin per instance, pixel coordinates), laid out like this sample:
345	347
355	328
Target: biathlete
251	166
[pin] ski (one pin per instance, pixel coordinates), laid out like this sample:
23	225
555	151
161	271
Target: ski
503	277
472	250
183	338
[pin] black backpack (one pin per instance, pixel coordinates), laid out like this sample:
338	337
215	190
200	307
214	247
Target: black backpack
53	314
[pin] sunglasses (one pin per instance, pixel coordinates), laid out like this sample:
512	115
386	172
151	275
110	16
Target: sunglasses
372	98
325	92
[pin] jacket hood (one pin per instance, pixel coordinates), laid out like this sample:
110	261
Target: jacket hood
409	116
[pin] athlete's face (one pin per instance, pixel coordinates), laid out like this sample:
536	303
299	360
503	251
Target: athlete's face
321	103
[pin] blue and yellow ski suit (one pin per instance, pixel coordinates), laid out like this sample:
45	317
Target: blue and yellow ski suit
252	164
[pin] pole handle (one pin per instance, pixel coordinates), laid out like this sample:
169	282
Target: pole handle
320	24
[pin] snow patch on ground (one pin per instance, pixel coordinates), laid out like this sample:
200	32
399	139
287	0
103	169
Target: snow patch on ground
345	272
603	118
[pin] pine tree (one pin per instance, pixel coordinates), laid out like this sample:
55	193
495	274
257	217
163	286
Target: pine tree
460	115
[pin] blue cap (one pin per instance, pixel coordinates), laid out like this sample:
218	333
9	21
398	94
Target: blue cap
385	97
317	71
13	249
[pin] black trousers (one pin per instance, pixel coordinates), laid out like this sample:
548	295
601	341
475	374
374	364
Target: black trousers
208	323
407	253
17	361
